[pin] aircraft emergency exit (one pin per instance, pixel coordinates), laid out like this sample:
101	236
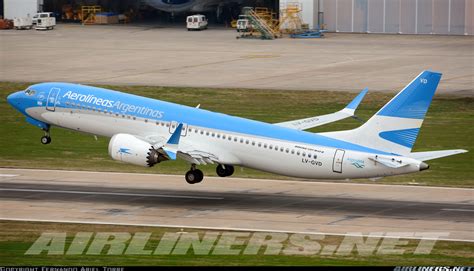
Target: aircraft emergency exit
147	132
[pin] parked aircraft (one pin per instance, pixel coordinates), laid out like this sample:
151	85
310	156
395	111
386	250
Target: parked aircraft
146	132
192	6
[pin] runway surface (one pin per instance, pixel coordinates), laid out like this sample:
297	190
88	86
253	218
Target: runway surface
234	203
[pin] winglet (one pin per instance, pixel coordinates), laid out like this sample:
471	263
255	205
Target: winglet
171	147
356	101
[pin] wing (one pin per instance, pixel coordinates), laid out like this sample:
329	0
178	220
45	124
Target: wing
307	123
172	148
195	156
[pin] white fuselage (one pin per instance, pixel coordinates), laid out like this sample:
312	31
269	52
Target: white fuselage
264	153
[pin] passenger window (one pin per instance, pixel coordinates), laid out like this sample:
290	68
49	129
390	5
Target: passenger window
259	144
298	153
247	141
287	150
223	136
304	154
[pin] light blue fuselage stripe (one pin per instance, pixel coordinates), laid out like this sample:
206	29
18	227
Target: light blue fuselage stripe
190	115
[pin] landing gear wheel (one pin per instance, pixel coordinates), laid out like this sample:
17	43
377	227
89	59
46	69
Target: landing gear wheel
230	170
194	176
45	140
224	171
221	171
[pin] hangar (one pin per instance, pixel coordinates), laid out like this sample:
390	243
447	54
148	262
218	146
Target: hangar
445	17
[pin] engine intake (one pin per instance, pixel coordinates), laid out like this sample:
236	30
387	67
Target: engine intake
129	149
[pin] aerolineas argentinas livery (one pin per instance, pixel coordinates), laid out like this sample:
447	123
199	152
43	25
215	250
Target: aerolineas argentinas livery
146	132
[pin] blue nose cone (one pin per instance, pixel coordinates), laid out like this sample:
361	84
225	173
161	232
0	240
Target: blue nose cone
13	99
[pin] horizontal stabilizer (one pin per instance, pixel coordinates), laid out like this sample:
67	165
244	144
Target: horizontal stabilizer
430	155
307	123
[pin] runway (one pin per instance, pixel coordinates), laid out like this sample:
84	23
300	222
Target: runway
234	203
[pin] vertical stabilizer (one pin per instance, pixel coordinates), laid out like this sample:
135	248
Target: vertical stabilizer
395	127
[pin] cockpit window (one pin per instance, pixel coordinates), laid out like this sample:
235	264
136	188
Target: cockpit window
30	92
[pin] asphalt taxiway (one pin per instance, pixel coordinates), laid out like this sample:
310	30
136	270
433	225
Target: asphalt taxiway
234	203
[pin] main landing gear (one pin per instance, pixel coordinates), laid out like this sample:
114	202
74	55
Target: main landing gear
46	139
224	170
194	175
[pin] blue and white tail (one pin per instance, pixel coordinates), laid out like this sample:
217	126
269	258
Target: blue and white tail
395	127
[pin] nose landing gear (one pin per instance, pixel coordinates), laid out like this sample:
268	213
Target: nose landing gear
46	139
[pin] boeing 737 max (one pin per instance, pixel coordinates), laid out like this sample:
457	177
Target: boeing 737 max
146	132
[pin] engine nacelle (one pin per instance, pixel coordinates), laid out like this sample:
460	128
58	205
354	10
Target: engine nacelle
129	149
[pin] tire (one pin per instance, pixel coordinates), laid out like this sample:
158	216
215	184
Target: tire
194	176
224	171
199	174
229	170
45	140
221	171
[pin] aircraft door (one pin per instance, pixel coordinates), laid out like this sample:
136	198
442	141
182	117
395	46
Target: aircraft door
173	126
52	99
337	163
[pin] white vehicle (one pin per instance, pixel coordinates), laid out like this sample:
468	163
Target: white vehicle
44	21
23	23
41	15
197	21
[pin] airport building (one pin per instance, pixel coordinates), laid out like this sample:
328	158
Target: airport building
443	17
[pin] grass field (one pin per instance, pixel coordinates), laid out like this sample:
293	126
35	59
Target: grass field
17	237
448	125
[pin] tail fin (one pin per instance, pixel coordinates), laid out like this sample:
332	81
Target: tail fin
394	128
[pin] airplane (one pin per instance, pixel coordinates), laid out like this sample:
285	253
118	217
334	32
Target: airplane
186	6
146	132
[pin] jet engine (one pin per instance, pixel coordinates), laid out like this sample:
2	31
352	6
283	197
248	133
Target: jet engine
129	149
